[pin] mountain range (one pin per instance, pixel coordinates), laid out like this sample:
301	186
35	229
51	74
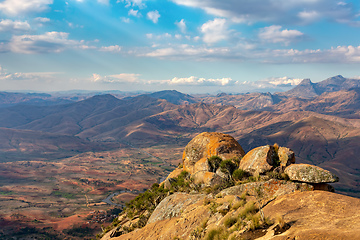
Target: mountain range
319	121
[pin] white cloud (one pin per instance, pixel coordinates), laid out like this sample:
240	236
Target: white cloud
340	54
200	81
181	25
134	13
7	25
193	81
117	78
277	82
278	11
42	19
30	76
274	34
125	19
20	7
309	16
153	16
45	43
185	51
215	30
114	49
133	3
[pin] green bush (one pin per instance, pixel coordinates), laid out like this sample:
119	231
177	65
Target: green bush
230	221
227	166
217	234
239	174
249	209
214	163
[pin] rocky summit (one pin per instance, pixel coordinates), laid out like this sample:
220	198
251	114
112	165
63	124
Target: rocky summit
219	192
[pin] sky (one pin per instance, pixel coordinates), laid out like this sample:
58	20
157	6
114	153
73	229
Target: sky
193	46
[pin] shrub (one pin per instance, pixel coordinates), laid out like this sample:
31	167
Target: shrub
280	221
227	166
254	221
214	162
239	174
275	155
249	209
230	221
182	182
238	204
217	234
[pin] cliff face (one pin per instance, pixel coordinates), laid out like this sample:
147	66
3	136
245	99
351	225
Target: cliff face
259	195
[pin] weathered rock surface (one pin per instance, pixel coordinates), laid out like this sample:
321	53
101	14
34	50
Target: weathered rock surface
267	190
208	178
310	174
259	160
317	215
286	156
208	144
180	222
172	206
311	215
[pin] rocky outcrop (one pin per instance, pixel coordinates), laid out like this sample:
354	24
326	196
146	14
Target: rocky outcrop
258	160
208	144
310	174
209	204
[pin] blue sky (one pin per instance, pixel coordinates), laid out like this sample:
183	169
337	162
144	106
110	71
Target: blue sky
194	46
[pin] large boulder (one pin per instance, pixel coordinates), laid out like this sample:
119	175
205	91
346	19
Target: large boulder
310	174
259	160
286	156
208	144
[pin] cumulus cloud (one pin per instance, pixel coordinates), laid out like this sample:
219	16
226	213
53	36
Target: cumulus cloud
7	25
181	25
20	7
215	30
30	76
153	16
117	78
125	19
41	21
44	43
114	49
200	81
133	3
185	51
277	82
134	13
274	34
275	11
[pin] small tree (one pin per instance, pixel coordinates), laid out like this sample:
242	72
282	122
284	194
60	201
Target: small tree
214	162
227	166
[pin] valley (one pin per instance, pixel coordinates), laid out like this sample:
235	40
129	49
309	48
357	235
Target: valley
58	163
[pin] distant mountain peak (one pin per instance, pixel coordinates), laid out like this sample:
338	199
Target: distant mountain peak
305	81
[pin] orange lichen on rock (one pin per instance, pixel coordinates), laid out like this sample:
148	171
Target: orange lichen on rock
208	144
